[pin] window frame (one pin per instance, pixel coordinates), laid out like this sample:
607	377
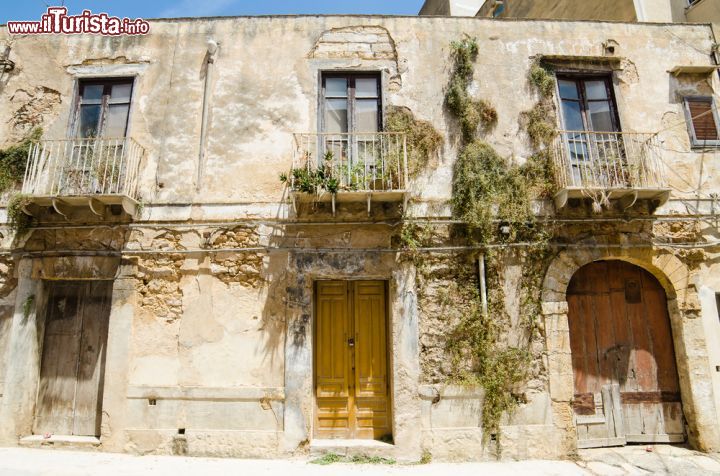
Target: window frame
582	77
107	83
694	142
350	76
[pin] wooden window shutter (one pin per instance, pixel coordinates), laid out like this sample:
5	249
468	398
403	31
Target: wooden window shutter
702	118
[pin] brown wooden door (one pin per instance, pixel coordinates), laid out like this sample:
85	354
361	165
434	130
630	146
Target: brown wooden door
625	377
351	376
71	374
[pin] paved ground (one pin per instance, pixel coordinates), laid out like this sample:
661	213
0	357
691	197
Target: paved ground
630	460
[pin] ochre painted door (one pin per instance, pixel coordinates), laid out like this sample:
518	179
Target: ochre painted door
625	376
351	367
73	354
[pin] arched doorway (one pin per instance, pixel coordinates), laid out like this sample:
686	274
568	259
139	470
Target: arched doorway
626	385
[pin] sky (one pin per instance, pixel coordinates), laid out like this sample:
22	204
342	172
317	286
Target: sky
32	9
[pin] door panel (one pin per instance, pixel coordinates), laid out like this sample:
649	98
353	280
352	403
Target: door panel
71	373
332	366
351	360
626	383
91	364
371	381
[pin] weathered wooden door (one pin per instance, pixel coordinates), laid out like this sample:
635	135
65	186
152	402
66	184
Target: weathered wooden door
351	375
626	383
71	374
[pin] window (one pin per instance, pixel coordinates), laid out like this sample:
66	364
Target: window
351	118
595	150
103	107
702	119
588	104
351	103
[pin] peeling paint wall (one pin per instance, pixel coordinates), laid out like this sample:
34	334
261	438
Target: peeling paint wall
211	327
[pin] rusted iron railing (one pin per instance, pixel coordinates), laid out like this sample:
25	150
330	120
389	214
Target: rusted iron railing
362	162
78	167
607	160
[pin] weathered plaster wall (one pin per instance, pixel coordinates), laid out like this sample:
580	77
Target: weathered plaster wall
212	306
251	120
704	11
8	282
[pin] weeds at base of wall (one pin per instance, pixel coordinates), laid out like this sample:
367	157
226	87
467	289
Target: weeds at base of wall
332	458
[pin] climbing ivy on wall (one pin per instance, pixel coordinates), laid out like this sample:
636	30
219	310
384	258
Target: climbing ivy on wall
471	113
493	198
423	140
489	193
541	119
13	161
17	219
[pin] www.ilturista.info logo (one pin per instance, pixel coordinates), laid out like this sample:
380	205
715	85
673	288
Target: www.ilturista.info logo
56	20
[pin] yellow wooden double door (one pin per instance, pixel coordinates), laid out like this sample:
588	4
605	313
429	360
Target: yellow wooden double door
351	364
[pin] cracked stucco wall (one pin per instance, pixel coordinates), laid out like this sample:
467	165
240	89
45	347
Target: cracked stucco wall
214	315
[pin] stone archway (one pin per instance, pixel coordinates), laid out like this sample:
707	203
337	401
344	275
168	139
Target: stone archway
689	340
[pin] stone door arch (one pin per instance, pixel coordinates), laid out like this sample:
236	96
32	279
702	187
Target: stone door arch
626	387
688	337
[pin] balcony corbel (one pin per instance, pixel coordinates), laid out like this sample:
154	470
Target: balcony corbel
83	172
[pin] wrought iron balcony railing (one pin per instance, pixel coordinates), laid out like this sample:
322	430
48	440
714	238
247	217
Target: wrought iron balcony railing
96	171
80	167
349	167
357	162
616	163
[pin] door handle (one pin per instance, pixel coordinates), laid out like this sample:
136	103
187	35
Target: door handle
351	342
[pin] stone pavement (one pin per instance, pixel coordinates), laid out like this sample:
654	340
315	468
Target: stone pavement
611	461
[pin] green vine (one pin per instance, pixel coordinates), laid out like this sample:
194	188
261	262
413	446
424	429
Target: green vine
18	220
13	161
493	197
471	113
541	119
423	140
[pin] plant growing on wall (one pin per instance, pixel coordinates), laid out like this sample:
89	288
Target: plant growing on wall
13	161
489	194
17	218
471	113
541	119
332	176
423	140
493	198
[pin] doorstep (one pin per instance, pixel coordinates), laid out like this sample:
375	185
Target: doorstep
61	441
351	447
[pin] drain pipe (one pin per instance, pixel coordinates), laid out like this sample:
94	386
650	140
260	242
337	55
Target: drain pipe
212	47
483	284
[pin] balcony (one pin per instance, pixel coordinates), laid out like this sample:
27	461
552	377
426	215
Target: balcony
93	172
357	167
622	166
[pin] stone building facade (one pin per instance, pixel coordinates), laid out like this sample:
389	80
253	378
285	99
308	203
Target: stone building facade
195	307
